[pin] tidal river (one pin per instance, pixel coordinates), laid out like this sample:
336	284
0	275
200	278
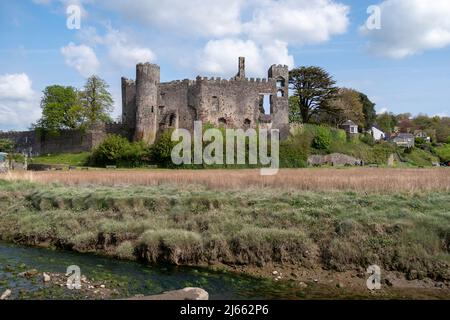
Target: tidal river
130	278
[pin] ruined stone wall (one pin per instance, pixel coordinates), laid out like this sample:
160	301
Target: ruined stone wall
128	103
233	103
175	107
67	141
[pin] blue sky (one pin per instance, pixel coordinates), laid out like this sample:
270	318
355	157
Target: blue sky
403	67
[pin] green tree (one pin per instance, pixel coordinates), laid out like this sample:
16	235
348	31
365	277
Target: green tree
61	109
370	114
315	89
347	106
387	122
96	100
6	145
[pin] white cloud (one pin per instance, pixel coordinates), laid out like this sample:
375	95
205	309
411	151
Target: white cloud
122	52
219	57
82	58
19	104
15	86
197	17
297	21
383	110
409	27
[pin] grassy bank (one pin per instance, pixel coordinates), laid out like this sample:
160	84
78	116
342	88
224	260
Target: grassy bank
339	231
71	159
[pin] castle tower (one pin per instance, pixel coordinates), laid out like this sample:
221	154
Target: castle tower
147	83
280	117
241	72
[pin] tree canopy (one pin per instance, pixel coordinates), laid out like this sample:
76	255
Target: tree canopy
97	101
315	89
66	108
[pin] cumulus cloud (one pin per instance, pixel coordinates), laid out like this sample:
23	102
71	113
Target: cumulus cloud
15	86
423	25
198	17
297	21
219	57
82	58
270	29
19	104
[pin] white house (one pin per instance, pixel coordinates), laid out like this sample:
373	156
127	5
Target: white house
350	127
377	134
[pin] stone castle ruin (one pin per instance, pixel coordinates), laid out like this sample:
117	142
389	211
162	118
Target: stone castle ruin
149	107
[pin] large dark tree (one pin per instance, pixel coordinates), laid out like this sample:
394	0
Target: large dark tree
315	89
97	101
370	114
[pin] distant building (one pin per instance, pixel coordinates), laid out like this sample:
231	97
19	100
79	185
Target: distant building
405	140
350	127
377	134
3	162
422	135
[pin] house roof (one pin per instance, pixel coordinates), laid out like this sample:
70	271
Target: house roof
377	127
405	136
349	123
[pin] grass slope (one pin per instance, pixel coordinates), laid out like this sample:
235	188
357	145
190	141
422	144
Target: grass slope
162	224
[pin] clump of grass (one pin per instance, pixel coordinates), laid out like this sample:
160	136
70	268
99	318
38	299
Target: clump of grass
170	246
125	250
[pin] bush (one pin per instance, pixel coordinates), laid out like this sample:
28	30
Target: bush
161	151
117	150
291	156
322	139
6	145
367	139
444	152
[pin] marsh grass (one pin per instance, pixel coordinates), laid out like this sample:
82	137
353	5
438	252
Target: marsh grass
350	179
335	230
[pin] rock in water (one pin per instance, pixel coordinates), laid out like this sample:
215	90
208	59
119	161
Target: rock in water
6	294
46	277
183	294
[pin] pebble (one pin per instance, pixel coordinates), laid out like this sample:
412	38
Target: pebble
302	285
103	286
46	277
340	285
275	273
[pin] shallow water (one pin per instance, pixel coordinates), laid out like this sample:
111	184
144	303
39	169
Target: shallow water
130	278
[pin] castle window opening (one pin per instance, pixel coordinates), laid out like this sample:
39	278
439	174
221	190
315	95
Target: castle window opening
222	121
280	93
247	123
172	120
266	106
215	103
280	83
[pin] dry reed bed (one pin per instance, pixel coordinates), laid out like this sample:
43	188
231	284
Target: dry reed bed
353	179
